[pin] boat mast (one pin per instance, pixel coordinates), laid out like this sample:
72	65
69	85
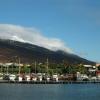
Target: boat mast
35	67
47	66
19	65
7	69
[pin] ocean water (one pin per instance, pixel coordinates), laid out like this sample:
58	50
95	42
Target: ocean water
49	91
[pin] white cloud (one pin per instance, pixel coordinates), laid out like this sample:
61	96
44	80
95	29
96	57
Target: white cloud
31	35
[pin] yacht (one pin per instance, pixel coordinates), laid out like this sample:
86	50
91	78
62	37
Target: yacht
1	76
34	77
55	77
12	77
20	78
39	75
28	78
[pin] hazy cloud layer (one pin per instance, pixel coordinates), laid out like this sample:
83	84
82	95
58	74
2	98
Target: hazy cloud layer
31	35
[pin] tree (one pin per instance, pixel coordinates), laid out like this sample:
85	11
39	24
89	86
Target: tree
99	67
81	69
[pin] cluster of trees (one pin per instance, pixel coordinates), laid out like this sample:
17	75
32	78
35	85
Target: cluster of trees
61	68
58	68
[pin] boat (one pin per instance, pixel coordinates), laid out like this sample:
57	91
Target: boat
1	76
28	78
20	78
55	77
12	77
39	76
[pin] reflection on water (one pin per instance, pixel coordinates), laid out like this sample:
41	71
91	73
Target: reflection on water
50	92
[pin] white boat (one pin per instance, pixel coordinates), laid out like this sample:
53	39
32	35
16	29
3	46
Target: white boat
48	79
82	77
94	78
1	76
20	79
12	77
40	78
39	75
34	79
55	77
28	78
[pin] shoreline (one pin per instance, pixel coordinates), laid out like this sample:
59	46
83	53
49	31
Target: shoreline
50	82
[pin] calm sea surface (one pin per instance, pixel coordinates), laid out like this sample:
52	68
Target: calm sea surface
50	92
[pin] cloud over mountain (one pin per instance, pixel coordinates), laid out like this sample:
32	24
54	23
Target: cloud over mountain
31	35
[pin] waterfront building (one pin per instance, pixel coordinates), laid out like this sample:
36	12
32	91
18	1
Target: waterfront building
91	70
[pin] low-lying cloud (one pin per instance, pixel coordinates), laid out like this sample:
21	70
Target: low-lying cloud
31	35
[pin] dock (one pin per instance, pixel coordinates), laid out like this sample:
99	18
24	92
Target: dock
50	82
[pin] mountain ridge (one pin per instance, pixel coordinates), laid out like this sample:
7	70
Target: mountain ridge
29	53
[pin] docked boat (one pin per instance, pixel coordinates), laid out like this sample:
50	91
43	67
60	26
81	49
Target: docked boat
27	78
12	77
6	77
39	76
20	78
1	76
33	77
47	78
55	77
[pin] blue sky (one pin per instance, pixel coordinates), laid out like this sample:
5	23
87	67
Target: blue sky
76	22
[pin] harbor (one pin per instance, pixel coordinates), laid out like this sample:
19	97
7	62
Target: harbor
18	73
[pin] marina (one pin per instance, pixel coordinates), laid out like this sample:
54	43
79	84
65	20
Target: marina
20	73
